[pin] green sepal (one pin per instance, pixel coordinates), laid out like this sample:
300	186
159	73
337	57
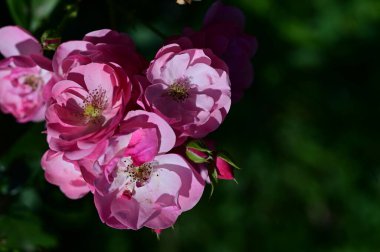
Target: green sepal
226	157
212	190
213	175
195	158
198	145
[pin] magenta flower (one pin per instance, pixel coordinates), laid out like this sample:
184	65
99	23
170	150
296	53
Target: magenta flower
190	89
65	174
86	108
24	74
223	33
139	185
102	46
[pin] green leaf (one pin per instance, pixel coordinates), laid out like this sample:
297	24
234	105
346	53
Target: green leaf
20	12
41	10
31	14
226	157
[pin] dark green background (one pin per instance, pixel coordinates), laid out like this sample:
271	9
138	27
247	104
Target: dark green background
306	135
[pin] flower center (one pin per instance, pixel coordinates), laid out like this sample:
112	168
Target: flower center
179	90
128	176
94	104
91	111
33	81
140	174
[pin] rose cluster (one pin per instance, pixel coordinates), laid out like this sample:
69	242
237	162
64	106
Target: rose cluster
127	130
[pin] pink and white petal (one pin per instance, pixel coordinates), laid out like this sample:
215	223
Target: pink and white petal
171	48
166	133
17	41
127	212
65	174
99	76
166	218
116	146
175	68
192	183
160	192
103	205
77	154
154	72
39	115
64	50
202	75
143	145
198	56
42	62
204	102
163	181
63	85
18	61
154	93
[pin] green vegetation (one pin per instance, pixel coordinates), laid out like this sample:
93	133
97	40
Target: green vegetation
306	135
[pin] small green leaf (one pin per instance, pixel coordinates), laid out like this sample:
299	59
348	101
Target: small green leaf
226	157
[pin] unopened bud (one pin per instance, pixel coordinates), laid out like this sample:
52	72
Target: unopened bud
50	40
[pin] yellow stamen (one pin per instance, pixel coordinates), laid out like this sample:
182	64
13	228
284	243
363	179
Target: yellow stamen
91	111
33	81
178	91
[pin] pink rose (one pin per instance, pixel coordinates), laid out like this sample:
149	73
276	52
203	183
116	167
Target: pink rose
65	174
190	89
23	75
102	46
86	108
223	33
140	185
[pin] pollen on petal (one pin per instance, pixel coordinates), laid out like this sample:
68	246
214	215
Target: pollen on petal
33	81
179	89
94	104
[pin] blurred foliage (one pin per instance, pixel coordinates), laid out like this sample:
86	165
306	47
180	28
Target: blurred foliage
306	135
31	13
